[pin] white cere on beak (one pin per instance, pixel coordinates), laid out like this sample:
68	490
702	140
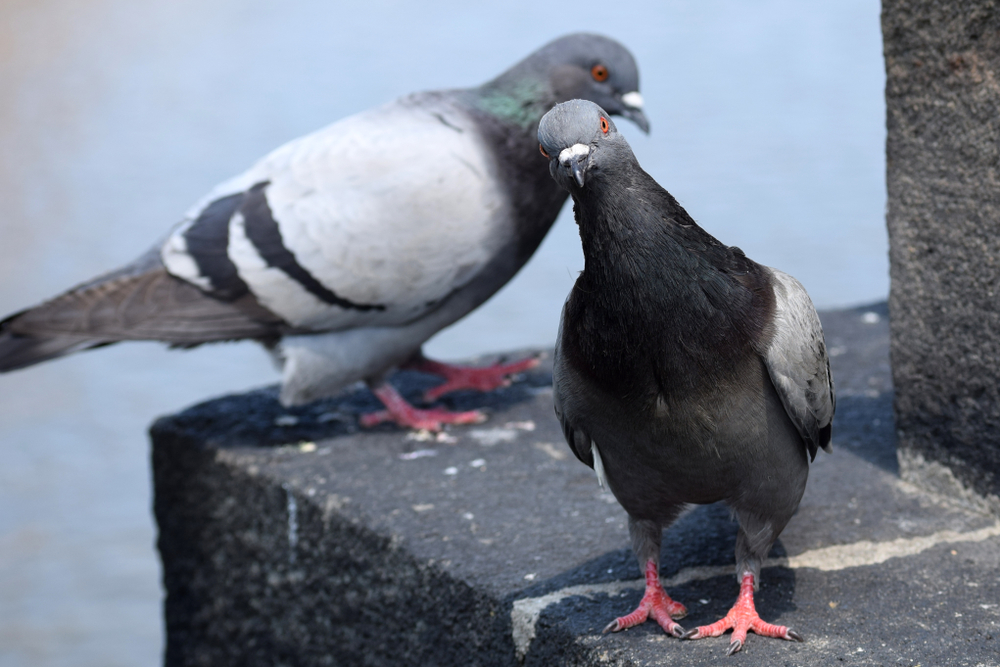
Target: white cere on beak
632	100
573	151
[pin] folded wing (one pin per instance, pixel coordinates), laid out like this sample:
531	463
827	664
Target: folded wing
798	363
372	221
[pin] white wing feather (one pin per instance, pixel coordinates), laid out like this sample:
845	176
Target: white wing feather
397	206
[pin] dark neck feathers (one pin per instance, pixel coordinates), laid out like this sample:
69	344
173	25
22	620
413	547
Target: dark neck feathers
660	300
507	115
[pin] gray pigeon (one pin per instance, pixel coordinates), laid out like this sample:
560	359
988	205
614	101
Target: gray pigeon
684	371
345	250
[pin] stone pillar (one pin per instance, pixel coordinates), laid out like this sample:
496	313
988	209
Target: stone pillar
943	174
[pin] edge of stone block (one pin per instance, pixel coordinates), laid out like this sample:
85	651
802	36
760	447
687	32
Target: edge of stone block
940	480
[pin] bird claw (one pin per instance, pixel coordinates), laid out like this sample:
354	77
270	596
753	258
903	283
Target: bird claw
484	379
655	603
671	628
405	415
741	619
423	420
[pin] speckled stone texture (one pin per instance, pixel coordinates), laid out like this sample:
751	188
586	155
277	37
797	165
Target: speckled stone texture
289	537
943	103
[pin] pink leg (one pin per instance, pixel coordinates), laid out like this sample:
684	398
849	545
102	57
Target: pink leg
467	377
655	603
407	416
741	618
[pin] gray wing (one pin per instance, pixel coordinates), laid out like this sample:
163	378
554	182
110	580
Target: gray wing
138	302
798	363
563	389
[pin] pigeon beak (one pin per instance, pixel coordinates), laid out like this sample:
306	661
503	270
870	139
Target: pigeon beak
632	103
579	171
574	159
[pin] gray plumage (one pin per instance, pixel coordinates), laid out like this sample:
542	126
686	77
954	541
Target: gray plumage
346	249
684	371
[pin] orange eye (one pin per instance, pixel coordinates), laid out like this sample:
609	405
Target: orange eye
599	72
604	125
542	150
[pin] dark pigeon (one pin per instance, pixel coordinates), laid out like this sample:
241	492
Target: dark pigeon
345	250
684	371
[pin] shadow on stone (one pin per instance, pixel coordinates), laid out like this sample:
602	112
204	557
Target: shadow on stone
865	427
857	340
257	418
584	617
703	536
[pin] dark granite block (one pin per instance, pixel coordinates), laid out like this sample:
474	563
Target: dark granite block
290	538
943	104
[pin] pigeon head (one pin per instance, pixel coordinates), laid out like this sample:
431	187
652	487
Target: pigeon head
578	66
579	139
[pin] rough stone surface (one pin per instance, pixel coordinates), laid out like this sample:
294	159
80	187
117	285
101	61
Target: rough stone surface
943	102
289	538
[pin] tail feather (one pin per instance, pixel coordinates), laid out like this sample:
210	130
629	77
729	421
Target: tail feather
22	351
138	302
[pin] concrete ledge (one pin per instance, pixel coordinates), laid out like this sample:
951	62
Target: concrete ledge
288	538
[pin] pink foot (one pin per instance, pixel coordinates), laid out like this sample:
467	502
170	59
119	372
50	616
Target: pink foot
467	377
655	603
741	618
399	411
